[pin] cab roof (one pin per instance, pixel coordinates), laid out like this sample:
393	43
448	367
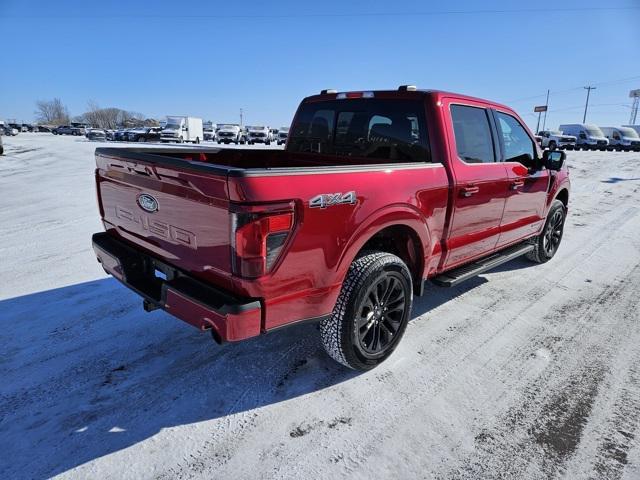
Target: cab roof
435	95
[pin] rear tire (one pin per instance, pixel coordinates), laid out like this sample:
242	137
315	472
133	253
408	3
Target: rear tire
371	313
547	243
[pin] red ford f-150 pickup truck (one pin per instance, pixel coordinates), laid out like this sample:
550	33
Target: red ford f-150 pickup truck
375	193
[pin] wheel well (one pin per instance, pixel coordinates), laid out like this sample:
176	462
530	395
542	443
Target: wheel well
563	196
404	242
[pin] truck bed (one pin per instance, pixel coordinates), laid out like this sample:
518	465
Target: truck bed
233	161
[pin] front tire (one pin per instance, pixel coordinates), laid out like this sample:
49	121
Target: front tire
547	243
371	313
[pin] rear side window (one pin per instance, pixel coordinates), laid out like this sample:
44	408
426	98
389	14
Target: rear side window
518	146
473	134
386	130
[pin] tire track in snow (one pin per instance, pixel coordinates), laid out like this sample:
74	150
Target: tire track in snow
537	436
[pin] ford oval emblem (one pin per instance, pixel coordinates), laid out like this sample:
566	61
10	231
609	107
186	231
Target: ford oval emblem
147	203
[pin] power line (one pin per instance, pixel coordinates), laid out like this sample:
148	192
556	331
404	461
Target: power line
573	89
343	14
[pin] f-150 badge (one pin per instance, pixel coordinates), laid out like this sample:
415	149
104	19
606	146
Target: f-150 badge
325	200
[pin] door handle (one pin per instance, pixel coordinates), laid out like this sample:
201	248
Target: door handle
516	184
469	190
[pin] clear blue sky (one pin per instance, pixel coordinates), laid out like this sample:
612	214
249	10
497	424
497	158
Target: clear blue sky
209	59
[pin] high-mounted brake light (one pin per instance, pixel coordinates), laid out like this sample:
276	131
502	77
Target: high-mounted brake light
257	241
344	95
407	88
328	90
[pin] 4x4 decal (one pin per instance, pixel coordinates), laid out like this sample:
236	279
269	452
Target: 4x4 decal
325	200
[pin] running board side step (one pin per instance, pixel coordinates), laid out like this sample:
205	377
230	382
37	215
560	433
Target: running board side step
460	274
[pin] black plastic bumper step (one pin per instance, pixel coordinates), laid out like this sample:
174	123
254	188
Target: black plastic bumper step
459	275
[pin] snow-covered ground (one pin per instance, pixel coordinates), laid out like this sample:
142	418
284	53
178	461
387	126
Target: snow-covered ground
530	371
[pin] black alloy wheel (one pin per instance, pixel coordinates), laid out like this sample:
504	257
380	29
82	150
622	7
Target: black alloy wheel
553	233
381	313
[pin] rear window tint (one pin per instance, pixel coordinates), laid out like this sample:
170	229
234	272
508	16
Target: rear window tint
474	142
387	130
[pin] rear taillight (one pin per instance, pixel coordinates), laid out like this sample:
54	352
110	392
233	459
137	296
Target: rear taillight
258	239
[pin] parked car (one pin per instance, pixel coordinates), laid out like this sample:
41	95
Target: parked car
10	131
553	139
120	135
258	134
622	138
43	129
588	137
244	135
228	133
15	126
96	134
144	134
283	133
343	227
209	131
68	130
80	128
182	129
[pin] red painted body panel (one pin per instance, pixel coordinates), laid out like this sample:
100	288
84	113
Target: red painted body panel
192	228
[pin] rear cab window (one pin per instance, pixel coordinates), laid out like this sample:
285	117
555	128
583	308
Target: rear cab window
472	131
382	130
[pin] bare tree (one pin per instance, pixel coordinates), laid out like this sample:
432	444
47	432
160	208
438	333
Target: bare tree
51	112
113	117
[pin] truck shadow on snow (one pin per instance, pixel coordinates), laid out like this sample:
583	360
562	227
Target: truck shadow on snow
87	373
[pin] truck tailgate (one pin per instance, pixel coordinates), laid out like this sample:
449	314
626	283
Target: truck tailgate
178	215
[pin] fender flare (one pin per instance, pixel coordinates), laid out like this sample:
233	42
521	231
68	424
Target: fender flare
564	185
388	216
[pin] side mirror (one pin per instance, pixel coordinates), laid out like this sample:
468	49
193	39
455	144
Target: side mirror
553	159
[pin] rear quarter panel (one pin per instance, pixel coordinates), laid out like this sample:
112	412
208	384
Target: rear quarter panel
325	241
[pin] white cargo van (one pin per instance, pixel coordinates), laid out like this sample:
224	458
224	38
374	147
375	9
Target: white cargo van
634	127
181	129
622	138
588	137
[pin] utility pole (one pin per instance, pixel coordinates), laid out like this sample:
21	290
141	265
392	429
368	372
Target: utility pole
635	94
544	122
586	105
241	116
